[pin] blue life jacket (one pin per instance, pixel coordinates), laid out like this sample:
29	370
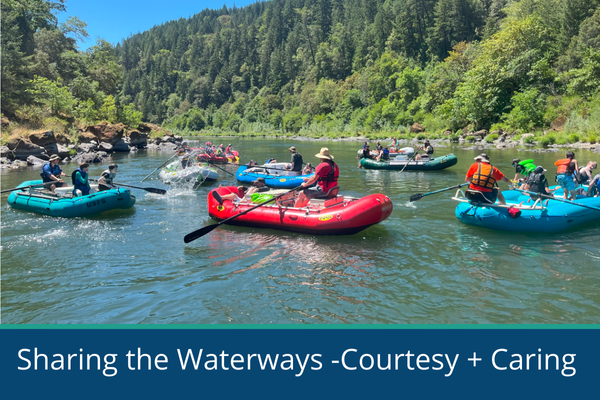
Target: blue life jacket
84	187
386	154
48	170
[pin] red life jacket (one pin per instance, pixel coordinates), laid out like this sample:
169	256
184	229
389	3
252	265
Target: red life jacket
564	166
330	180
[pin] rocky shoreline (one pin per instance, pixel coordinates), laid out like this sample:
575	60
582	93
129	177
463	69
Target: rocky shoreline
95	144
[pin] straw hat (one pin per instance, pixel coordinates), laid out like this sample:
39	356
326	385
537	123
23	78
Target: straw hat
324	154
293	148
54	157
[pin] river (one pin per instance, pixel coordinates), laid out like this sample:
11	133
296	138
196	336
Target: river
420	266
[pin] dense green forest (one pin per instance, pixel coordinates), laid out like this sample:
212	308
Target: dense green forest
320	67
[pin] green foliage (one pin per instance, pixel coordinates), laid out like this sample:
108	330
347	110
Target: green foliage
108	110
57	98
470	139
491	137
130	116
527	111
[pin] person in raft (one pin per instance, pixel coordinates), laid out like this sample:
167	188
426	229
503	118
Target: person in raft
367	152
483	178
51	172
394	145
537	182
326	176
384	154
81	185
308	169
242	192
105	182
428	149
296	163
228	151
594	187
564	175
585	173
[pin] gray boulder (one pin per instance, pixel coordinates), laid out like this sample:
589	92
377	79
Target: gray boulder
87	147
107	147
32	160
121	146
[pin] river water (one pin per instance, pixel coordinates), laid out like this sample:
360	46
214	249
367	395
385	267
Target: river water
419	266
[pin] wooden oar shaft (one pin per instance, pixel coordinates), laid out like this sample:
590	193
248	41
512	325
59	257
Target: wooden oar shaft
28	186
162	165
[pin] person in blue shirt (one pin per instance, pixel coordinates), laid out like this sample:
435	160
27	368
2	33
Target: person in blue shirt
51	172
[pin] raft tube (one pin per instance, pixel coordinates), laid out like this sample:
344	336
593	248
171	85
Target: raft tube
431	164
337	216
173	174
555	216
274	174
43	202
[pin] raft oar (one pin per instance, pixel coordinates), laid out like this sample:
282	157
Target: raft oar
147	189
224	170
545	196
29	186
207	229
162	165
419	196
412	158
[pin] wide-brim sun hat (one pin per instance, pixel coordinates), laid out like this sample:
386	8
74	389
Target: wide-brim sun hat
54	157
483	158
324	154
293	148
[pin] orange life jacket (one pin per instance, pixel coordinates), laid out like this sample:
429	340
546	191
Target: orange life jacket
563	166
483	177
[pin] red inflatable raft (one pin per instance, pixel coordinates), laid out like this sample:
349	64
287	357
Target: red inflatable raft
338	216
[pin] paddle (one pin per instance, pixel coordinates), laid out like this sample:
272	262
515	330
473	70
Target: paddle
412	158
27	187
224	170
545	196
419	196
207	229
147	189
162	165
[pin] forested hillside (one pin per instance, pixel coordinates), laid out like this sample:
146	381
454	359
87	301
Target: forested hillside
333	66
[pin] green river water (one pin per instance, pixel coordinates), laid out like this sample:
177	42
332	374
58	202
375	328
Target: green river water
419	266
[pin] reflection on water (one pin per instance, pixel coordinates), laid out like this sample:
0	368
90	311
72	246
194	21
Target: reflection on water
419	266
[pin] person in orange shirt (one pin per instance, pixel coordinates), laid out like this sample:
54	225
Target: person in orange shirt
483	178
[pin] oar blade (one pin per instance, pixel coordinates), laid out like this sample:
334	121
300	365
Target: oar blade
190	237
416	197
155	190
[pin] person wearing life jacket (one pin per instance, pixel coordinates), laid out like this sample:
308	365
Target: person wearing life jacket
81	185
585	174
537	182
228	150
483	178
367	152
221	150
564	175
242	192
384	154
208	149
518	169
394	145
428	149
51	172
105	182
326	176
296	162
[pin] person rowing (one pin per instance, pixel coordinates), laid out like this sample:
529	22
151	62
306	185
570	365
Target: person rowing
51	172
326	176
483	181
105	182
428	149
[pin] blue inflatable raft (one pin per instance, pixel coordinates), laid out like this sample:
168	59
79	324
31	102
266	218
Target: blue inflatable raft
63	204
275	175
543	215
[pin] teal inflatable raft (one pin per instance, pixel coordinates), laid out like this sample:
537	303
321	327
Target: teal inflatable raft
63	204
524	214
